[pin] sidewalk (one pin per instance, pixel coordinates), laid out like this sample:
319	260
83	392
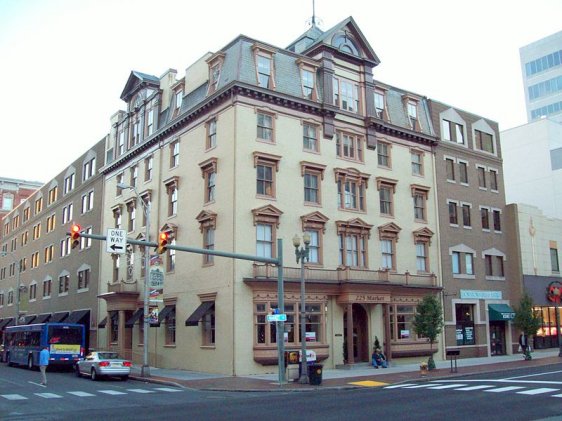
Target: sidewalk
359	376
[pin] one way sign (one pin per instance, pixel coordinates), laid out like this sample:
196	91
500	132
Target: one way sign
116	241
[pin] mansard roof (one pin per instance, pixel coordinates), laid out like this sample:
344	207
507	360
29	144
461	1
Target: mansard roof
136	81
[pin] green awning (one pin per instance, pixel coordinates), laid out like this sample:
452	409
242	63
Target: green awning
500	312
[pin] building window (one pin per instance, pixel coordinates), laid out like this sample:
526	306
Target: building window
209	174
84	279
351	189
450	169
497	220
51	222
10	297
466	215
145	199
208	244
485	217
401	323
89	169
171	266
420	195
178	102
493	180
170	322
174	154
87	202
462	263
484	141
310	137
412	108
266	167
386	188
264	240
52	195
7	201
346	95
172	191
150	122
387	254
148	163
349	146
554	266
312	175
417	162
132	211
453	213
37	231
353	239
47	286
494	266
481	177
134	175
49	254
315	225
264	70
26	214
32	292
453	132
463	172
208	327
121	142
211	133
35	260
421	256
86	242
38	205
118	181
265	127
64	284
383	154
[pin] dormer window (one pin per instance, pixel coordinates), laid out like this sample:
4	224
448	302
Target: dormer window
215	65
379	104
265	67
307	83
412	108
179	99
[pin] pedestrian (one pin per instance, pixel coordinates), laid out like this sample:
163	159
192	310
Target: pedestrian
44	356
524	346
378	359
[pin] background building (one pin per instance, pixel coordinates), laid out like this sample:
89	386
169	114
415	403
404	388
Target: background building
541	67
13	192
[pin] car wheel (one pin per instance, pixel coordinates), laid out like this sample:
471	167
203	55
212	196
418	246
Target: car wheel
94	375
77	371
30	362
124	378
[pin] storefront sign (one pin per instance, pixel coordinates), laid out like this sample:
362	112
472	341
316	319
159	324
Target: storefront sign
480	295
554	292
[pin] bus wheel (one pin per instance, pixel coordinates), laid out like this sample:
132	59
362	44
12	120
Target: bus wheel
9	360
30	362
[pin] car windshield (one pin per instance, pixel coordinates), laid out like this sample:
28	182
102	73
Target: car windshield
108	355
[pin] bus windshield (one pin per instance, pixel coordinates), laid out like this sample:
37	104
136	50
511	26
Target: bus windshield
65	335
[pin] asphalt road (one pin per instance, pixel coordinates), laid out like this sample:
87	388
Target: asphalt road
526	394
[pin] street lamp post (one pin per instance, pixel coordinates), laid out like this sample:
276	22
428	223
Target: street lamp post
18	285
145	369
302	255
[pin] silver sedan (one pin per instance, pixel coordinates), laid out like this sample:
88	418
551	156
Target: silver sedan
103	363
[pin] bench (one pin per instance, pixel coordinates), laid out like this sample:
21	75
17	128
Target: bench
453	355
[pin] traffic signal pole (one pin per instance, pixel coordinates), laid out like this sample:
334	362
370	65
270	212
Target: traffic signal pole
280	288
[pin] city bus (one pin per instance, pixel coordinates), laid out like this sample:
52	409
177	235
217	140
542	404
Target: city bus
65	341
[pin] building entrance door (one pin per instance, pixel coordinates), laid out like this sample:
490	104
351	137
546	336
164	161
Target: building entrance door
497	338
360	334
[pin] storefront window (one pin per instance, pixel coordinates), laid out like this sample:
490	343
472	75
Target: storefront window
465	324
401	327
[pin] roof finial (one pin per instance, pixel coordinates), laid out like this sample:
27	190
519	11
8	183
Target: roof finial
313	13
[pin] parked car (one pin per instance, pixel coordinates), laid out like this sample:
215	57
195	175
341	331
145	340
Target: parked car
103	364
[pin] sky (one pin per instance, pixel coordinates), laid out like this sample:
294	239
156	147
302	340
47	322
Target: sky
64	63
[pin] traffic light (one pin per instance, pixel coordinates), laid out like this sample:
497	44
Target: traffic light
75	235
162	242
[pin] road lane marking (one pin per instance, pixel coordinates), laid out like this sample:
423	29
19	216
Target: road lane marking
368	383
504	389
37	384
112	392
81	394
395	386
167	389
533	375
419	386
48	395
140	390
557	396
478	387
14	397
447	386
538	391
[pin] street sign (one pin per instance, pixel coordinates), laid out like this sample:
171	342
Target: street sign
276	317
116	241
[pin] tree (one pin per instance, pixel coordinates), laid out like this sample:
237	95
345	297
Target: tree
428	322
527	320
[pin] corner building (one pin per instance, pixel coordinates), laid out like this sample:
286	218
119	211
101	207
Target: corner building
256	143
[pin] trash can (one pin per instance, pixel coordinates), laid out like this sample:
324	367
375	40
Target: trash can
315	374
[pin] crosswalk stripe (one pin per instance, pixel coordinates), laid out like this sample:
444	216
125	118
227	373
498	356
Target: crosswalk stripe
557	396
504	389
14	397
481	386
81	394
48	395
538	391
167	389
140	390
447	386
112	392
395	386
419	386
